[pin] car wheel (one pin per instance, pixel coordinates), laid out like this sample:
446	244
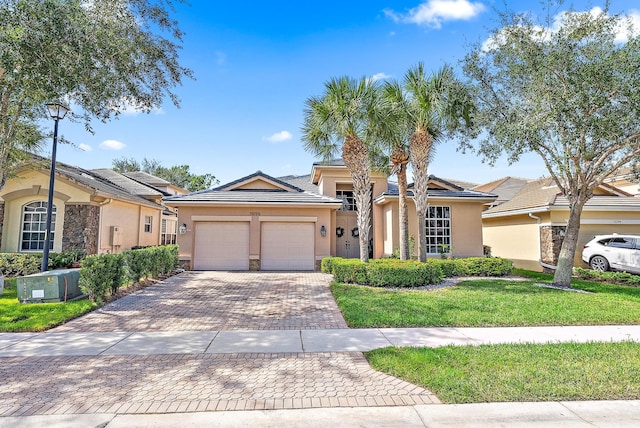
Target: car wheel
599	263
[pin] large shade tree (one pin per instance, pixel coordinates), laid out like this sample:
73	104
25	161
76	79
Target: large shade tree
339	123
434	107
100	56
568	89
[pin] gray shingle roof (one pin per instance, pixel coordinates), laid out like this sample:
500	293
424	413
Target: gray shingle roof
293	195
100	184
127	183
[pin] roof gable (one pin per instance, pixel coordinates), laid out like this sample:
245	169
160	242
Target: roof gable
259	181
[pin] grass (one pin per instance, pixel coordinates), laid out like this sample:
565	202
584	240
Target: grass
498	373
21	317
489	303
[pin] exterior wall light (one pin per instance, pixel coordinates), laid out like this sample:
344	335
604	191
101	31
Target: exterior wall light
182	229
323	231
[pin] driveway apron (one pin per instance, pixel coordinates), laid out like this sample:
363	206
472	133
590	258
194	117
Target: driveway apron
205	302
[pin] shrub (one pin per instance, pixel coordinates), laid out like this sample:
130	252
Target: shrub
96	276
482	266
350	271
20	264
391	272
612	277
402	273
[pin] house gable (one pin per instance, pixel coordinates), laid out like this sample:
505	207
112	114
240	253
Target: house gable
259	181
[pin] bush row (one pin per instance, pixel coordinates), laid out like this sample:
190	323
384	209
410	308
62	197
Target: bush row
21	264
611	277
102	274
411	273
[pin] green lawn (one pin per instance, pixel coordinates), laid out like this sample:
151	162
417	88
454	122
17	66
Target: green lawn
570	371
489	303
20	317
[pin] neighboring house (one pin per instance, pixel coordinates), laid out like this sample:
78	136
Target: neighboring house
260	222
625	179
99	211
529	227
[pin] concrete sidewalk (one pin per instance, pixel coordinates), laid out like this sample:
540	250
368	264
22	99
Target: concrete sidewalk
582	414
293	341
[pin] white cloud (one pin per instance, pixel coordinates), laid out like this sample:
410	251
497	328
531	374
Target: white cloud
85	147
379	76
433	13
629	23
279	137
112	145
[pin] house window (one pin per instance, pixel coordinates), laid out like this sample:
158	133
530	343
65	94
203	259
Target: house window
348	201
169	232
34	226
148	221
438	230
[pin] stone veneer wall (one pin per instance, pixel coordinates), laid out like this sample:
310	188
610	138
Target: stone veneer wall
254	265
1	218
551	238
80	231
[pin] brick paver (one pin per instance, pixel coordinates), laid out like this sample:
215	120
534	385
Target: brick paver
186	383
205	301
208	301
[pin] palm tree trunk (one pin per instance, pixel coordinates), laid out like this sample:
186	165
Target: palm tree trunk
356	159
562	276
400	159
420	149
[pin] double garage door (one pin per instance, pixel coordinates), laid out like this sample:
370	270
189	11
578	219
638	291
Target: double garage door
225	246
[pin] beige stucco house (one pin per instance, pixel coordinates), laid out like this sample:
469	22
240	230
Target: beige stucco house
528	227
99	211
260	222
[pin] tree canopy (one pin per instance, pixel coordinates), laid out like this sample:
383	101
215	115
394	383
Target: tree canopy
101	57
568	89
178	175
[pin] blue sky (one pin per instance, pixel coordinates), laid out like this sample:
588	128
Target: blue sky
256	63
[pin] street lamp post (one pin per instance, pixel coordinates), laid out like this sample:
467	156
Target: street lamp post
57	112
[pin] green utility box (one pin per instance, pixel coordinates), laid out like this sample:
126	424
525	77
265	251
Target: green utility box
52	286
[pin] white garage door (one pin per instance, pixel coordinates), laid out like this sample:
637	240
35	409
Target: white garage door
221	246
287	246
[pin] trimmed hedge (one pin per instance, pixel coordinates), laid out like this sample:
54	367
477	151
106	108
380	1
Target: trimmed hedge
106	272
411	273
20	264
623	278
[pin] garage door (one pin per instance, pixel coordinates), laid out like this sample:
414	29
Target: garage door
221	246
287	246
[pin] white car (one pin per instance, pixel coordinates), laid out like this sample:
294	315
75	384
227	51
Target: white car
613	252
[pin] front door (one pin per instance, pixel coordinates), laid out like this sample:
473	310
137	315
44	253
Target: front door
347	245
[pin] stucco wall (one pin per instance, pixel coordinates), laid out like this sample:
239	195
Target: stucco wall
513	238
130	218
466	227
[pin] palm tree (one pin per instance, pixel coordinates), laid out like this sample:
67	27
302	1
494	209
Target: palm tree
436	106
394	133
340	120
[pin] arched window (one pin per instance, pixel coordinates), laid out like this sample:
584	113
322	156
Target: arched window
34	226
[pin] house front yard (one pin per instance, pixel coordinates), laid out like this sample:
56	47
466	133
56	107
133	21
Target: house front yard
489	303
510	372
23	317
